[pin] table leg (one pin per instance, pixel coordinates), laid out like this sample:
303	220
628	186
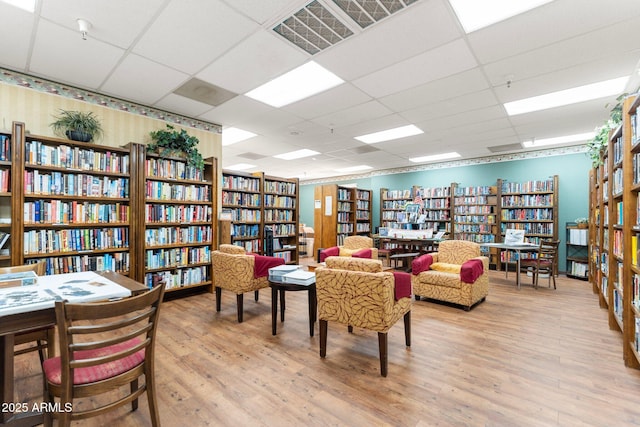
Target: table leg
312	310
518	269
282	305
274	309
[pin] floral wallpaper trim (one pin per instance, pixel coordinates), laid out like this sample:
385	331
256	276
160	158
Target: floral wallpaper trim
561	151
42	85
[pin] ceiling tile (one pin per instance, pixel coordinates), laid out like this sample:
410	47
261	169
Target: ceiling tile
339	98
15	36
469	102
208	29
132	80
63	56
264	10
177	103
435	64
356	114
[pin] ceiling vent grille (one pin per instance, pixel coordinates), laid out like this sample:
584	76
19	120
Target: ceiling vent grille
315	28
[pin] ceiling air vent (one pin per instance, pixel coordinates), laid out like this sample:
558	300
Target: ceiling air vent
252	156
367	12
506	147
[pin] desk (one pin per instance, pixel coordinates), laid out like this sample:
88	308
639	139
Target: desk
42	314
280	287
425	245
518	249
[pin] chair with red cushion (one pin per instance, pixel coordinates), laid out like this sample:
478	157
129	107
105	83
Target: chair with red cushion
544	262
103	346
353	246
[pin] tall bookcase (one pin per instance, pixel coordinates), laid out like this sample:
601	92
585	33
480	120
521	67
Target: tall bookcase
362	212
281	210
531	206
77	205
616	211
577	256
392	202
339	212
8	187
179	209
437	207
242	195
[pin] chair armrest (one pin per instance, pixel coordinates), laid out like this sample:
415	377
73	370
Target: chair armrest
325	253
472	269
423	263
363	253
402	283
263	264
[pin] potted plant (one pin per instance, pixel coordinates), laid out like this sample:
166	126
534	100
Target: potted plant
582	222
171	142
599	142
77	125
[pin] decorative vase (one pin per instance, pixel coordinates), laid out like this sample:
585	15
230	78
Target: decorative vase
77	135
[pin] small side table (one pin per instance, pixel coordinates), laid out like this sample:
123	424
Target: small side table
281	288
405	258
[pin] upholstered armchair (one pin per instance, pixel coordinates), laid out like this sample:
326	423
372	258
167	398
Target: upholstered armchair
239	272
456	274
354	246
355	292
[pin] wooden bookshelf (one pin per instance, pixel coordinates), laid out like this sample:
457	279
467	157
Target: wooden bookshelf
437	208
242	195
576	249
179	211
76	202
363	203
392	202
7	184
281	213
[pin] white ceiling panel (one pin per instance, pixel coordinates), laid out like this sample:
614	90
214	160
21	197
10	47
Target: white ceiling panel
15	36
349	116
424	25
236	112
130	80
189	34
469	102
339	98
264	10
177	103
274	54
435	64
64	56
108	22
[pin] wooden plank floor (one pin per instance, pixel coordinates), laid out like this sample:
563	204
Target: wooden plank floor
522	358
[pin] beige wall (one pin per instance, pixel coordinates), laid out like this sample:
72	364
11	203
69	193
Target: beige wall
36	110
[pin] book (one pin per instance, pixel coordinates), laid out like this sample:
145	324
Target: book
300	277
514	237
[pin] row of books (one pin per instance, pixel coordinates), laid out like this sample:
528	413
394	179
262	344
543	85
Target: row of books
245	215
278	215
527	214
172	169
474	200
435	192
158	190
363	195
362	204
529	228
577	269
279	201
480	209
64	156
436	204
175	235
363	227
283	230
5	180
65	212
254	245
280	187
362	215
396	194
5	147
240	183
486	219
344	217
245	230
178	278
473	191
617	178
241	199
158	213
345	206
527	200
75	240
176	257
475	237
473	228
345	228
286	256
394	204
70	184
527	187
344	194
118	262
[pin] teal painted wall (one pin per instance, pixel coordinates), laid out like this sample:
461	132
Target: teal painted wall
573	183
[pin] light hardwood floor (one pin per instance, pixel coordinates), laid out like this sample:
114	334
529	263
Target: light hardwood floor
522	358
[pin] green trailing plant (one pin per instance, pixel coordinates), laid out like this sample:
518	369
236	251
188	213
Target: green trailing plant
77	125
169	142
599	142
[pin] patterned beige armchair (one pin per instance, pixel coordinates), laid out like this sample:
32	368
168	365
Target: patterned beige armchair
354	246
355	292
456	273
239	272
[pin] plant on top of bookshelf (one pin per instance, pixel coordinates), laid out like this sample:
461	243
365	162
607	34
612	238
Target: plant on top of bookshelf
77	125
171	142
601	138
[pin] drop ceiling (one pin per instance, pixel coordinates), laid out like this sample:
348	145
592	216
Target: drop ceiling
413	64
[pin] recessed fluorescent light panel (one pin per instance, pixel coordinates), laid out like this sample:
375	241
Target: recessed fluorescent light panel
567	97
435	157
355	168
240	167
302	82
390	134
476	14
299	154
233	135
580	137
28	5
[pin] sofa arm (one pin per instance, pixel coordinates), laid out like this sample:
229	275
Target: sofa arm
325	253
423	263
363	253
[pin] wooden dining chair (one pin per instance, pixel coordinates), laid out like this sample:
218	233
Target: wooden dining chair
103	346
544	262
43	337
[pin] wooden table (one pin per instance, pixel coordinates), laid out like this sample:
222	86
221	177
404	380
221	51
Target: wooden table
28	320
518	249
